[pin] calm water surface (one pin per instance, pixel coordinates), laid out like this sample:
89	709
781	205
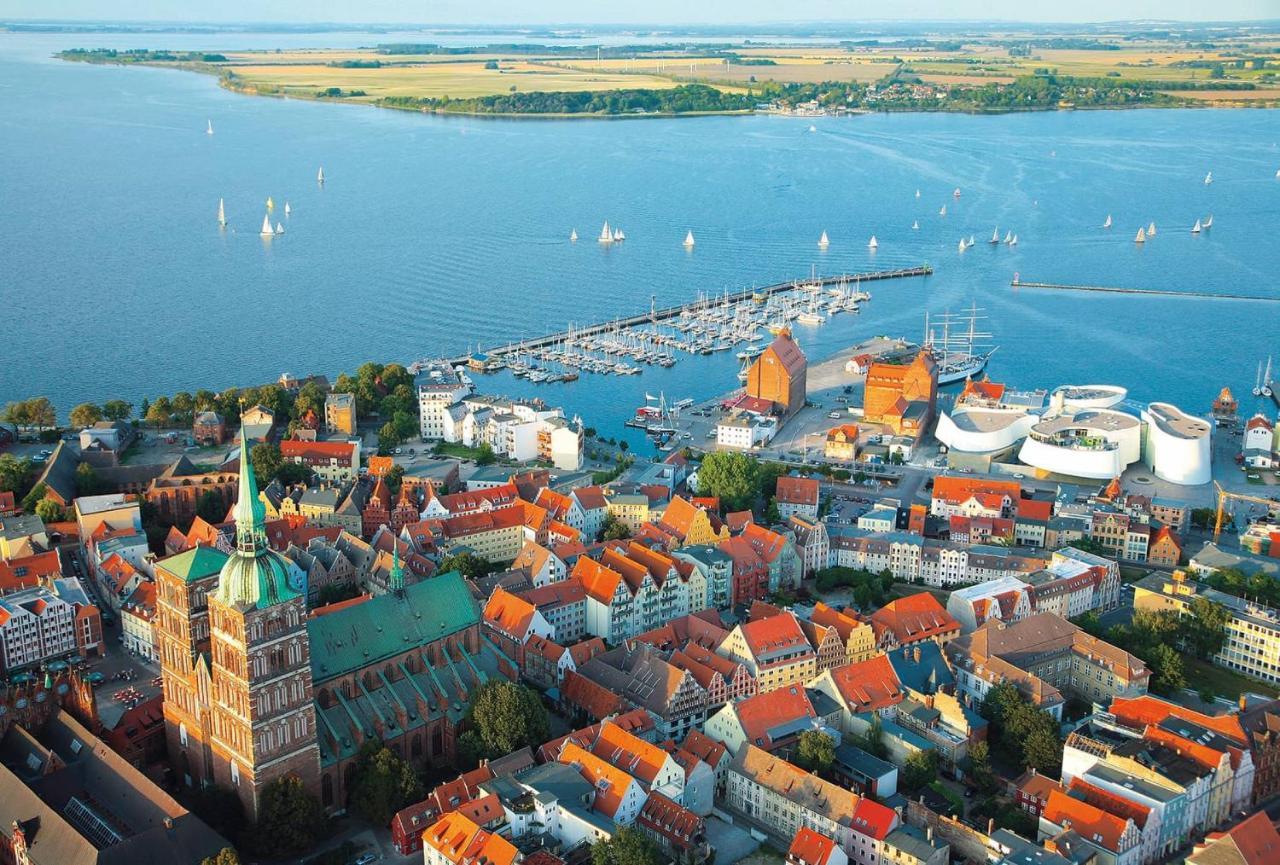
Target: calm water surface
433	235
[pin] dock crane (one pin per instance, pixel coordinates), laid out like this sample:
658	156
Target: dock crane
1271	504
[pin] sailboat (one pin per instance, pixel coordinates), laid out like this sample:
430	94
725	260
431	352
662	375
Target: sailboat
970	240
1142	236
573	236
813	128
1107	224
606	236
873	244
271	205
1008	236
320	175
1013	241
995	236
1195	229
222	215
1257	382
287	209
1266	378
688	239
824	242
208	130
957	353
267	230
918	191
1151	230
943	211
915	225
1208	223
279	228
963	245
957	192
1208	178
618	236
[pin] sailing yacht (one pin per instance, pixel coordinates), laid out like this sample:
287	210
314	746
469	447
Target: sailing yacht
1208	178
1208	222
208	130
812	128
995	236
287	209
1151	230
918	191
1266	378
1195	229
279	228
1008	236
320	175
955	353
267	230
688	239
1257	382
943	211
873	244
963	245
618	236
915	225
970	240
957	192
1142	236
824	241
573	236
1107	224
606	236
222	215
271	205
1013	241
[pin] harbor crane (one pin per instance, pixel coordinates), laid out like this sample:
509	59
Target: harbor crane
1224	495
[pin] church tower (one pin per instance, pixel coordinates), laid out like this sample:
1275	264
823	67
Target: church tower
262	714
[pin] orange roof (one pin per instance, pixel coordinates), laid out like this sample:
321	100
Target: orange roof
458	839
987	389
585	650
596	700
873	819
798	491
679	516
465	525
500	496
567	591
868	685
541	647
915	617
1034	509
1166	534
953	489
846	432
767	636
810	848
766	542
763	712
290	448
844	622
1089	822
509	614
23	572
591	498
1109	802
1255	840
705	748
557	504
659	565
1140	712
379	466
632	571
609	781
629	753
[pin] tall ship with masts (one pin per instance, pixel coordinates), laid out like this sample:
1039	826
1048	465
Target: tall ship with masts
959	351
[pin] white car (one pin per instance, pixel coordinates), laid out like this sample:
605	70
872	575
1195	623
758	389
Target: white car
835	415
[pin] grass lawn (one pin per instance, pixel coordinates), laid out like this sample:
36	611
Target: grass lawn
453	449
957	801
1223	682
1129	574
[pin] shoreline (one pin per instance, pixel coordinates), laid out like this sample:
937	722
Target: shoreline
227	82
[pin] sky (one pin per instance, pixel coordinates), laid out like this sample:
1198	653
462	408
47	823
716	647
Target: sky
722	12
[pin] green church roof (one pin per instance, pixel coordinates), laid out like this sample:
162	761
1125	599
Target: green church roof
195	564
364	634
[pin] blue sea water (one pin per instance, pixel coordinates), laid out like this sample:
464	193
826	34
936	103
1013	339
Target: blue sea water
434	235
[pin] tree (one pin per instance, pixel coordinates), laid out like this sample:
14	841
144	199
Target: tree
502	718
815	751
50	511
979	765
1042	751
732	477
1204	628
289	819
613	529
485	455
159	412
872	739
1089	545
1168	674
394	478
13	475
1024	733
772	515
209	507
389	436
469	565
628	846
117	409
84	415
16	415
184	406
87	481
41	413
920	768
33	497
225	856
384	783
266	461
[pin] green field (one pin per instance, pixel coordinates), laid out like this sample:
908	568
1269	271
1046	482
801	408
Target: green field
1224	683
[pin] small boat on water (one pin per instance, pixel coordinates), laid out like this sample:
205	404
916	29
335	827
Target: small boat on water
873	243
573	236
1208	222
963	245
1008	236
320	175
1107	224
1257	383
915	225
1208	178
918	191
995	237
1195	229
618	236
970	241
812	128
688	239
287	209
606	234
271	205
222	215
208	129
1151	230
1142	236
943	211
1013	241
824	241
267	230
1266	378
279	228
957	192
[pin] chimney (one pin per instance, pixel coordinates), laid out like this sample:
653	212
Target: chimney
1243	702
928	834
991	825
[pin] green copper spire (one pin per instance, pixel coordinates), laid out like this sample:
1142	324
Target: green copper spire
396	580
250	513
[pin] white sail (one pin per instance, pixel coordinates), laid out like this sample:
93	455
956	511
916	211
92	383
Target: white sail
1195	229
271	205
688	238
957	192
287	209
971	240
824	241
320	175
1107	224
918	191
1014	241
872	243
1208	178
1142	236
963	245
943	211
813	128
279	228
995	235
208	130
915	225
606	235
1257	382
266	225
1008	236
1151	230
222	213
573	236
1208	222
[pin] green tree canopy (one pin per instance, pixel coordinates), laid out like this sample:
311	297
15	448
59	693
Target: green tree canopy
84	415
815	751
734	478
50	511
920	768
1024	733
289	820
209	507
225	856
266	461
1204	628
13	476
160	412
33	496
503	717
384	783
613	529
628	846
469	565
117	409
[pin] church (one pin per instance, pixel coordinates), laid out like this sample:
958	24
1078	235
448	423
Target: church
255	689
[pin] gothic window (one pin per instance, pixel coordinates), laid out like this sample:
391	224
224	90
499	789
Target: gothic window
182	734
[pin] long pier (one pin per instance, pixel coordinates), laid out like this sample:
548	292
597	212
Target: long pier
1163	292
653	316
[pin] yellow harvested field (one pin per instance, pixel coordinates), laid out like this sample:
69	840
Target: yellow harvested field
789	68
321	56
972	80
1268	95
457	80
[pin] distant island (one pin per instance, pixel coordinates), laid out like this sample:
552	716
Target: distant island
994	74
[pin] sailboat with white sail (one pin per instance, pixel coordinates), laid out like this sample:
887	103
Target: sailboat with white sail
1208	178
573	236
963	245
688	239
1195	229
824	241
1266	378
267	230
271	205
1008	236
1013	241
1142	236
915	225
918	191
279	228
1257	381
222	215
995	236
957	352
606	233
1107	223
1208	222
873	243
208	129
1151	230
287	209
943	211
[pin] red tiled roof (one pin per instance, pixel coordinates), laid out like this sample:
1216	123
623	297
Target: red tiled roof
1110	802
763	712
459	840
705	748
868	685
1034	509
290	448
1140	712
597	580
597	701
584	651
591	498
773	633
1086	820
956	490
915	617
630	753
610	782
810	848
798	491
509	614
23	572
873	819
1255	840
681	827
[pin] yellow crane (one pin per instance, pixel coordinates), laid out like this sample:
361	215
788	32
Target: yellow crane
1223	495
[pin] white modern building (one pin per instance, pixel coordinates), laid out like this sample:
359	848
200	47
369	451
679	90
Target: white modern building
439	387
35	625
1177	445
971	429
1096	443
745	431
1076	397
449	411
